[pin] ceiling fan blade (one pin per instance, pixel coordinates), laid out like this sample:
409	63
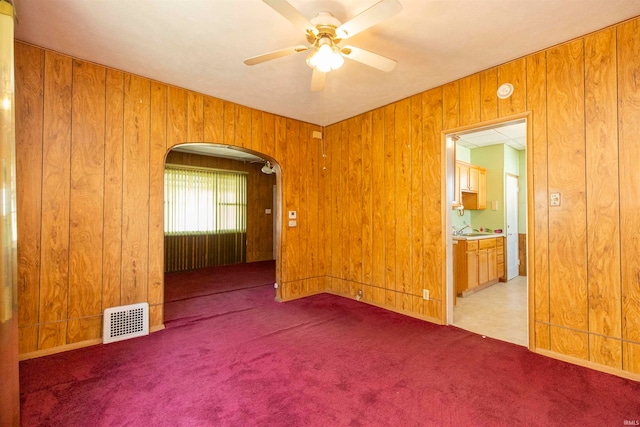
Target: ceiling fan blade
371	59
317	80
284	8
375	14
275	54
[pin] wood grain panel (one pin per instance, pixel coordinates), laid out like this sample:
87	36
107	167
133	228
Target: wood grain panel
112	221
213	120
542	337
28	338
54	279
243	126
631	352
303	203
324	220
29	75
538	163
569	342
52	335
378	188
605	351
389	203
367	199
229	123
417	196
566	170
354	190
135	194
268	135
256	130
451	105
177	116
314	233
157	151
156	315
345	231
291	188
488	94
195	117
403	198
86	195
629	128
333	145
432	108
84	329
513	72
470	100
603	214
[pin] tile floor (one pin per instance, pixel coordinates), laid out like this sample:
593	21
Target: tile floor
499	311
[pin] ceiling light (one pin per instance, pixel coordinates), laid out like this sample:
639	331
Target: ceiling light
326	56
267	168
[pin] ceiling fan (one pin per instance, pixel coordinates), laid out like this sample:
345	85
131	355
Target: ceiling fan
326	34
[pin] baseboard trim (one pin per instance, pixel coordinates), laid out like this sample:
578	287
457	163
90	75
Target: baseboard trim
59	349
588	364
74	346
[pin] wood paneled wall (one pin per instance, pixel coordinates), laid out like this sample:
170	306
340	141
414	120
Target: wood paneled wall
259	197
91	144
387	228
90	151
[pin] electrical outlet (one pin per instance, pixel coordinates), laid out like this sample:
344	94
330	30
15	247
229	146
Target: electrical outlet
425	294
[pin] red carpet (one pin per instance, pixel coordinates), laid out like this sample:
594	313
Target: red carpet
242	359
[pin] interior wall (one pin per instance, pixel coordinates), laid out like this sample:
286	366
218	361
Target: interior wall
259	198
90	149
387	225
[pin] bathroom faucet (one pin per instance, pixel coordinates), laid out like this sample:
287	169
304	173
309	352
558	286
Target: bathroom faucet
459	232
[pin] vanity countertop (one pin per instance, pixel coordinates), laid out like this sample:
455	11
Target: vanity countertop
478	236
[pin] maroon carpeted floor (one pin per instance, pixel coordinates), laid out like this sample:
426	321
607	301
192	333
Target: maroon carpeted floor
239	358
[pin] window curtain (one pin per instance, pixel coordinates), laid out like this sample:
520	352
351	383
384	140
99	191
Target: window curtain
205	217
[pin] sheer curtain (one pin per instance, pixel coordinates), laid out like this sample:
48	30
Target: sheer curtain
205	217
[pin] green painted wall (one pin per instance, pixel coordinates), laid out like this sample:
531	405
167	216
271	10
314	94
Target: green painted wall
492	158
522	199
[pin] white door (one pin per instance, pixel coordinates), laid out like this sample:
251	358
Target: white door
512	226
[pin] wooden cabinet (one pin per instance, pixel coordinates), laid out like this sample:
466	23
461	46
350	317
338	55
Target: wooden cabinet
470	186
500	259
475	264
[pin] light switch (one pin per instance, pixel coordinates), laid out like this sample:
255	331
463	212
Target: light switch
293	223
292	215
494	205
267	211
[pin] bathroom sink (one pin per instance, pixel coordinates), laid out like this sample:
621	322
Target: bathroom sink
477	234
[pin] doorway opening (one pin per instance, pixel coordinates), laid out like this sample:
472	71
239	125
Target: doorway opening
221	228
487	229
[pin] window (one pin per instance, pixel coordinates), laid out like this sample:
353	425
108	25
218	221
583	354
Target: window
204	201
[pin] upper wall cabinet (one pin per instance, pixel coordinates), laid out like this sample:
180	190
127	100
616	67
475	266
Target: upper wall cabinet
470	186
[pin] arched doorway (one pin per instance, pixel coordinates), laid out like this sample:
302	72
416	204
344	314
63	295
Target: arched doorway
227	249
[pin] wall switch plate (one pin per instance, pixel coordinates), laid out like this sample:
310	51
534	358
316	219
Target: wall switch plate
425	294
292	215
293	223
267	211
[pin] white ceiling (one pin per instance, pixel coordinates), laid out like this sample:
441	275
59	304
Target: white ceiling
201	44
513	134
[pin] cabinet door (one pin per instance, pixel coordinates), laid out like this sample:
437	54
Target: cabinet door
473	179
482	189
464	177
483	266
472	269
492	264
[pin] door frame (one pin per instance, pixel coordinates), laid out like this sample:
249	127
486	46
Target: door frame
506	227
448	171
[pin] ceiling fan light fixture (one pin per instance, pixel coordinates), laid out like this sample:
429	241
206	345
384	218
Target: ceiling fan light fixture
326	57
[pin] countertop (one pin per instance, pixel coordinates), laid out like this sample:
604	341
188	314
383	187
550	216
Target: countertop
478	236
